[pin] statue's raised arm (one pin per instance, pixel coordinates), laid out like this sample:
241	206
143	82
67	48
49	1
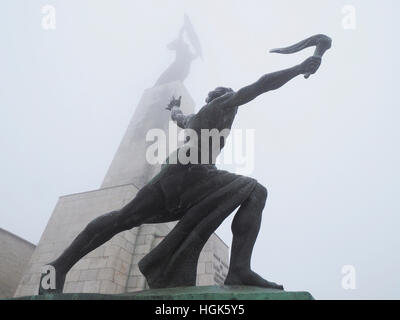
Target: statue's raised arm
275	80
177	115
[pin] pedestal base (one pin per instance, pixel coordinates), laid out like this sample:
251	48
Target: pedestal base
186	293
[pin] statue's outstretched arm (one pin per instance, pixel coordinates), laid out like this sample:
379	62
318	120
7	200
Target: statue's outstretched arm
273	81
276	80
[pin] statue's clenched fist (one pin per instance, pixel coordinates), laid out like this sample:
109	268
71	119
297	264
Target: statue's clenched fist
310	66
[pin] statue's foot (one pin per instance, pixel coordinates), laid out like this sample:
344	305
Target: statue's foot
249	278
51	283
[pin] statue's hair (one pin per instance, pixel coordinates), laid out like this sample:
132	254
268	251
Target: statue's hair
218	92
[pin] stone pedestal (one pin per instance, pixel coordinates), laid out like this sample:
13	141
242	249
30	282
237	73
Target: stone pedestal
189	293
112	268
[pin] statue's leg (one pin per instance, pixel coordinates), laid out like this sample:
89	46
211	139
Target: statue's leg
245	228
146	207
173	263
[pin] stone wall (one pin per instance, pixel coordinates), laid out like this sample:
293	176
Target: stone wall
15	253
113	267
104	270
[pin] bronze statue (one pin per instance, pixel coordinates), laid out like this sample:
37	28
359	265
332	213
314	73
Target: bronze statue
198	195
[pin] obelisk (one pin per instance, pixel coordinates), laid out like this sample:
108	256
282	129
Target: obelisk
112	268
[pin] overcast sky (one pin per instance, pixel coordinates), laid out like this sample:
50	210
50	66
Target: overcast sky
327	148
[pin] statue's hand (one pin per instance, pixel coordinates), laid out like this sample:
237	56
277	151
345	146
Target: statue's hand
174	103
310	66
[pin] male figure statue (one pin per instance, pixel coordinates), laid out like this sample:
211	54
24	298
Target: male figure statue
197	194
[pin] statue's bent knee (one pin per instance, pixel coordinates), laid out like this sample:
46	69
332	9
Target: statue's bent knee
261	191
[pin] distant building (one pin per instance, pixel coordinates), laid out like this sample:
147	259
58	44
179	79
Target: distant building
15	254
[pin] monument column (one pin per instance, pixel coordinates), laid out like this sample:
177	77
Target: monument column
130	165
112	268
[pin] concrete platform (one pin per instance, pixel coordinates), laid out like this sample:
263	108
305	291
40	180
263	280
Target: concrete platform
186	293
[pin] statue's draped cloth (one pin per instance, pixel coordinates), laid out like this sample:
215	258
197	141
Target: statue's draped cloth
201	196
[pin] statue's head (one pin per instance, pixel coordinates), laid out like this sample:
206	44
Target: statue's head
179	45
218	92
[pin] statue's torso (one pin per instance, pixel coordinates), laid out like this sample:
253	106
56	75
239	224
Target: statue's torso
214	115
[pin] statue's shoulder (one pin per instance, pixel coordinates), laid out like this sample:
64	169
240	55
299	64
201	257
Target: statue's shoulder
216	105
226	101
222	100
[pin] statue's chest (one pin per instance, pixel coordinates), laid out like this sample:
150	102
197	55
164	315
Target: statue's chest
217	118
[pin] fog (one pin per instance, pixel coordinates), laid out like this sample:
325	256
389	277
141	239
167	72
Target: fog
326	148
